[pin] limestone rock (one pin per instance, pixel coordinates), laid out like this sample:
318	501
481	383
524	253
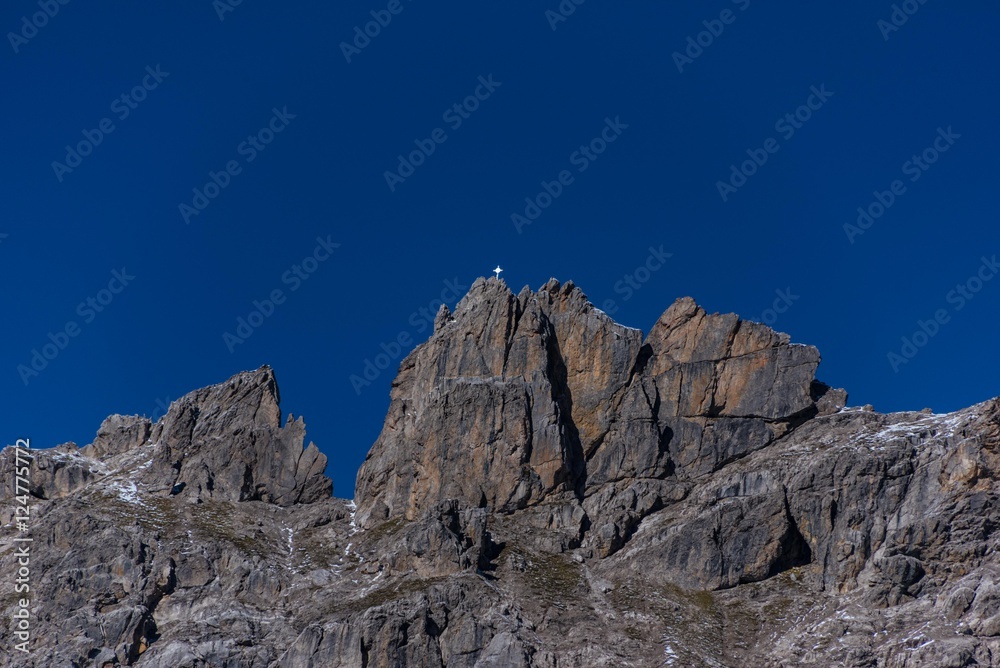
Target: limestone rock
549	489
498	408
226	442
119	434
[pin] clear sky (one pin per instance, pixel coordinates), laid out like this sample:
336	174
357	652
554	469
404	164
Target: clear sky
168	165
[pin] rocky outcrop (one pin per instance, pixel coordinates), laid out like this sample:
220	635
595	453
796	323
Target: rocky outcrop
222	443
500	406
261	460
707	391
549	489
518	398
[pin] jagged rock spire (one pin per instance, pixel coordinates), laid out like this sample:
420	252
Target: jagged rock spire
527	396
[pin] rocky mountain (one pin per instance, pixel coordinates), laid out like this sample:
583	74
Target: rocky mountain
550	490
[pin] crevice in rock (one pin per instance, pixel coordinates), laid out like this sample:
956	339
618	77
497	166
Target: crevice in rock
793	548
488	558
431	628
146	632
634	522
641	360
364	654
530	440
817	389
618	397
575	472
666	438
519	310
732	336
404	632
176	488
712	391
796	420
246	490
585	525
143	637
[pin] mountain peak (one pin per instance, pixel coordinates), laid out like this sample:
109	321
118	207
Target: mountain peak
526	398
549	488
223	442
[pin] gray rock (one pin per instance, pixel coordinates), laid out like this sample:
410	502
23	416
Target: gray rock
550	489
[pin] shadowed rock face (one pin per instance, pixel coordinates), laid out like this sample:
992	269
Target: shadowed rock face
221	443
260	459
550	489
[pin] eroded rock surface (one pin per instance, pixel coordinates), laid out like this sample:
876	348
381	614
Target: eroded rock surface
549	489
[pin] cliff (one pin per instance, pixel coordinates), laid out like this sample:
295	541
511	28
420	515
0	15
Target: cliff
550	489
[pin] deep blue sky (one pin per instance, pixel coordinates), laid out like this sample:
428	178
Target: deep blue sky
323	176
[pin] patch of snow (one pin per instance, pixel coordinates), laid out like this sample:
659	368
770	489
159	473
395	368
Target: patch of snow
926	426
669	655
127	491
347	552
354	511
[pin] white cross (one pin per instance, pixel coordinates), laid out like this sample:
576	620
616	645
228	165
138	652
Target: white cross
497	272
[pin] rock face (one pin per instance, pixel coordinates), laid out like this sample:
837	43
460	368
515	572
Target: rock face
549	489
499	408
515	399
261	460
222	443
